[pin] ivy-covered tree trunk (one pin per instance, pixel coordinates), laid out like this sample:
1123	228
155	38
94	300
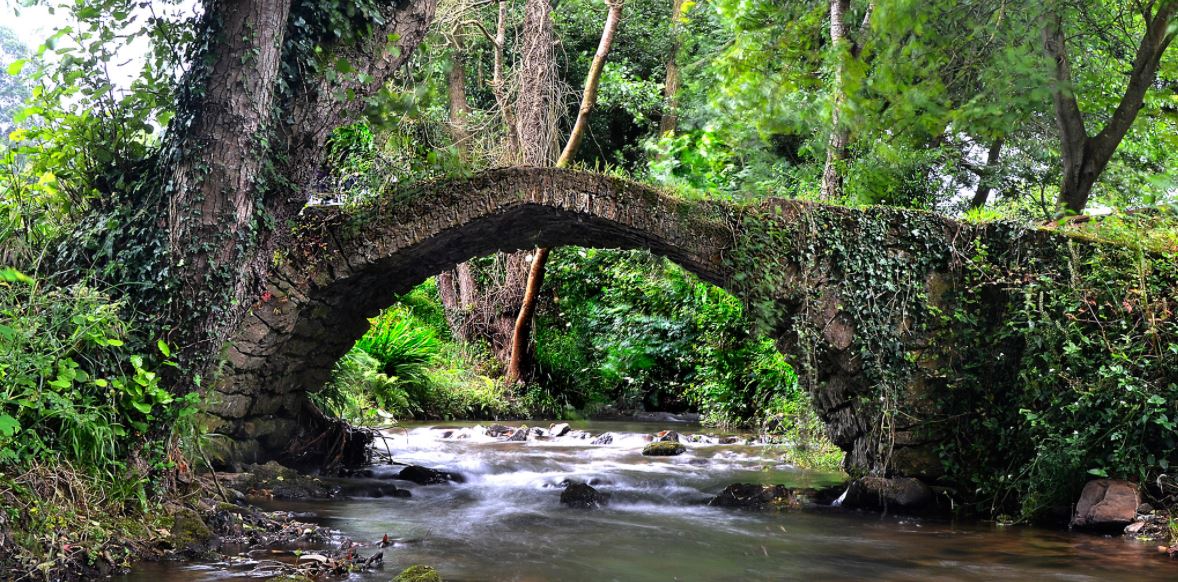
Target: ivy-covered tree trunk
216	167
670	120
200	224
846	48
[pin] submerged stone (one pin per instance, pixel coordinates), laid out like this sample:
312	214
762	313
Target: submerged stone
427	476
756	496
583	496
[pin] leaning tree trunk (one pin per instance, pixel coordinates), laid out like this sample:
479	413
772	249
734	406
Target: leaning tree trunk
243	152
521	352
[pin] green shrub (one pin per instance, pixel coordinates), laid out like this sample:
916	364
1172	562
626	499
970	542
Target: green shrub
69	382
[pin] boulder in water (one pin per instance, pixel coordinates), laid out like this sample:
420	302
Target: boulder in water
582	496
755	496
519	434
664	449
1107	504
498	430
427	476
604	439
558	430
883	493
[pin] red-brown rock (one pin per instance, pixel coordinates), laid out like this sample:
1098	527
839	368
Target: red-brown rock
1107	504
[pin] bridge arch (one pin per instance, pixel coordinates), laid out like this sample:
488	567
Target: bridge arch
349	264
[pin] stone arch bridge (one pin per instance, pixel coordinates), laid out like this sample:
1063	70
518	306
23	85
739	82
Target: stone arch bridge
347	265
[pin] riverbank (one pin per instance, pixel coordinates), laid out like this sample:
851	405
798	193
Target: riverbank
481	503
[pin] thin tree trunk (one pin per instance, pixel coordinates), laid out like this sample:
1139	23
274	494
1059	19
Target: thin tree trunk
670	121
499	85
986	177
592	81
459	106
840	136
521	336
1084	158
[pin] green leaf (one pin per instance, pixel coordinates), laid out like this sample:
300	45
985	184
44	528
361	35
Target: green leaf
143	407
1098	473
164	349
8	425
13	276
15	67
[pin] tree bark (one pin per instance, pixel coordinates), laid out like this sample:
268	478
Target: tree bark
537	103
840	135
986	176
499	85
210	214
242	120
670	121
521	335
1084	158
459	107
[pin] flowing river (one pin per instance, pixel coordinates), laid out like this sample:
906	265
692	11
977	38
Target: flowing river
505	521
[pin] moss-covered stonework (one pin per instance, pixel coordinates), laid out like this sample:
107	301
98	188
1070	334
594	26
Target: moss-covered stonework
883	311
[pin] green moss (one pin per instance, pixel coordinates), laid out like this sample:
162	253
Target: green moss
189	530
664	449
418	573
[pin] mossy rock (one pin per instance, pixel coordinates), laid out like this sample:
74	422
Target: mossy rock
189	531
418	573
664	449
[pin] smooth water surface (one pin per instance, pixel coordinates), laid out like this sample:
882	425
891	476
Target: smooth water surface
505	521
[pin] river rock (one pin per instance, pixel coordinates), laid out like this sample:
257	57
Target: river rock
604	439
558	430
664	449
1107	504
279	482
880	493
427	476
498	430
755	496
418	573
520	434
583	496
666	436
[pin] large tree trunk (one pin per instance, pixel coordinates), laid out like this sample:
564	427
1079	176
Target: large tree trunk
216	170
521	335
1084	158
670	121
243	150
